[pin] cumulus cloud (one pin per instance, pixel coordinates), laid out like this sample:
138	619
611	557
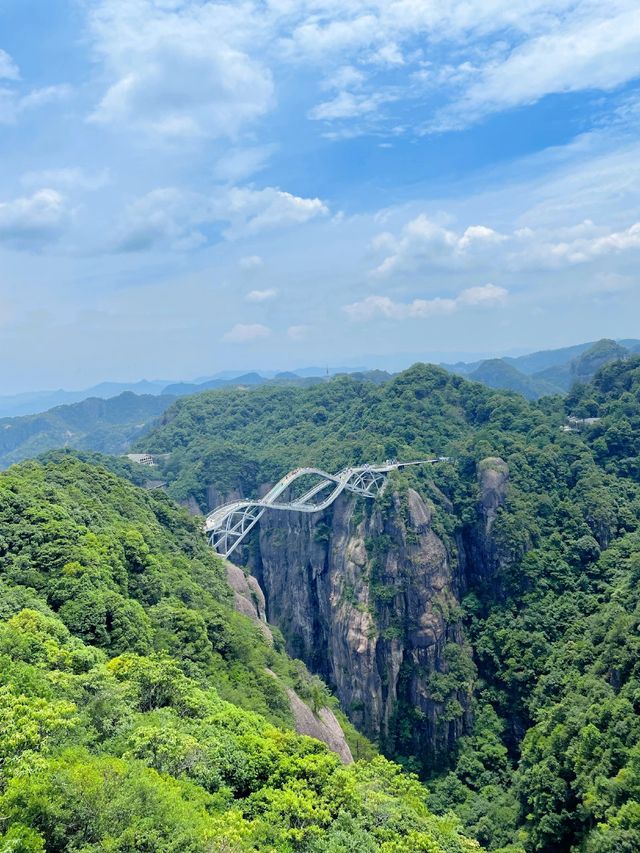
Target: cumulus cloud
166	218
29	222
8	69
250	262
261	295
178	69
424	241
243	333
298	333
423	244
252	211
172	218
372	307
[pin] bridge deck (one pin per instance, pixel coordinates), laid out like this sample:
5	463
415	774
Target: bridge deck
228	525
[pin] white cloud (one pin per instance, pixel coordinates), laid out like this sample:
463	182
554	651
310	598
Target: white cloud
349	105
167	218
599	52
345	77
261	295
238	164
252	211
31	221
243	333
8	69
178	69
70	178
250	262
45	95
298	333
568	246
176	219
424	244
13	105
164	77
487	295
424	241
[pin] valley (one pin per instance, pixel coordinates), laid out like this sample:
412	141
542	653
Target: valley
475	620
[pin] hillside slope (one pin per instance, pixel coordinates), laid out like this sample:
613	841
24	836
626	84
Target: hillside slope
140	712
548	371
107	426
490	624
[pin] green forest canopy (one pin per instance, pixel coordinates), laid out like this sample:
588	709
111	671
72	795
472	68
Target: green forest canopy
552	763
136	713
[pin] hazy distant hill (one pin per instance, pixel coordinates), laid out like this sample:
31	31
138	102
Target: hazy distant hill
31	402
548	371
255	379
109	426
498	373
585	366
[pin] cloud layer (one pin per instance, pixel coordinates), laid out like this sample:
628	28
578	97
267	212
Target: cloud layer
372	307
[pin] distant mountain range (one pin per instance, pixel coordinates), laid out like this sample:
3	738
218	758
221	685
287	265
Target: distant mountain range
112	425
108	426
31	402
549	371
110	420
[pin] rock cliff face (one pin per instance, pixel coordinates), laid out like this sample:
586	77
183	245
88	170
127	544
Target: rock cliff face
367	596
369	603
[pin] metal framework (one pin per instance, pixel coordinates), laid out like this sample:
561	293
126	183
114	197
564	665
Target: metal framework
228	525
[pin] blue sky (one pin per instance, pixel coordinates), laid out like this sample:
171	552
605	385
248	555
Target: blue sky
189	186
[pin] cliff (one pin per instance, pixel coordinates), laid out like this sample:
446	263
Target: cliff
367	595
369	603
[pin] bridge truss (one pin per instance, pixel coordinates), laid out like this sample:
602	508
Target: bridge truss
229	524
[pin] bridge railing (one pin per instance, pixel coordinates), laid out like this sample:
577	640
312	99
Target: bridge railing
228	525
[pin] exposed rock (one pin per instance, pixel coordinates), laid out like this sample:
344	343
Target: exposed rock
365	602
324	726
192	506
493	477
248	597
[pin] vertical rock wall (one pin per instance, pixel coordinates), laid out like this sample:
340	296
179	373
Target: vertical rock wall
369	603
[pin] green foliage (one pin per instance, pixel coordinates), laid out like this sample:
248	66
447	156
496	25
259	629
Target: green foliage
550	613
119	653
106	426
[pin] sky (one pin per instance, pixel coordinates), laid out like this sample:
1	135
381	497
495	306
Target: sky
191	186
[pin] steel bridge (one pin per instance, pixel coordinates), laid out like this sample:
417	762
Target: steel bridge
228	525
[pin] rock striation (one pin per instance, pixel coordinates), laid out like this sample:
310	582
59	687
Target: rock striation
370	604
367	595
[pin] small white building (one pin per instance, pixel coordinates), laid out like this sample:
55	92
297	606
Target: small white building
588	421
141	458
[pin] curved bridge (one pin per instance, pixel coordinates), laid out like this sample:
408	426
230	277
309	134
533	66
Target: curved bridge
228	525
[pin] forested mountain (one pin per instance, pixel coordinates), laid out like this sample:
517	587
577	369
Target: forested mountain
109	426
548	371
481	619
32	402
140	711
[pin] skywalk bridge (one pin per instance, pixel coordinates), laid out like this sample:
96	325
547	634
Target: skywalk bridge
229	524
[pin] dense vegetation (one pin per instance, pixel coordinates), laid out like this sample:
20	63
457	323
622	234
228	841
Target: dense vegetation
107	426
549	371
241	438
136	712
552	762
